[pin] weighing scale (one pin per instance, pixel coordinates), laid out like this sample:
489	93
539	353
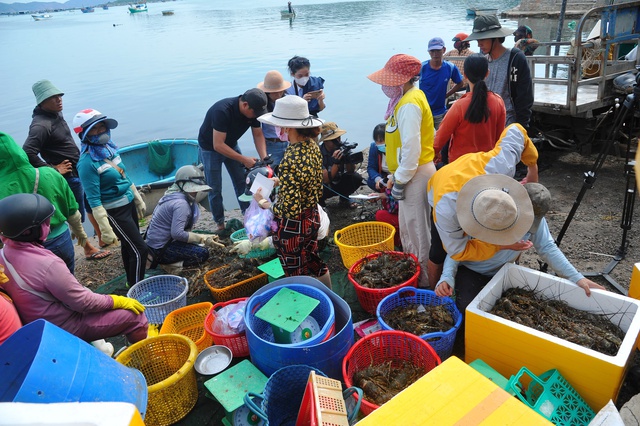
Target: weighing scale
229	389
288	313
273	269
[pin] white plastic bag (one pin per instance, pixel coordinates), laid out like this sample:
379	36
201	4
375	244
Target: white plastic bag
324	223
258	222
230	319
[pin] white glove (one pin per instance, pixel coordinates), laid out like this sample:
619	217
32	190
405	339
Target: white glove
196	238
141	207
108	237
266	244
77	231
242	247
212	241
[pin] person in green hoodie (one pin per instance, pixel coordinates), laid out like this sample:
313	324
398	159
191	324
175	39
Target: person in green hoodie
19	176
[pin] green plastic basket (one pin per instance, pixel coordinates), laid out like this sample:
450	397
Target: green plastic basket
553	397
255	253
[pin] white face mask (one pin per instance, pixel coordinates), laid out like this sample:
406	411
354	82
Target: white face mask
302	81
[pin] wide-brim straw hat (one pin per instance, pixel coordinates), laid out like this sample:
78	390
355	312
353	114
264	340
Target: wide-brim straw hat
291	112
273	82
398	70
330	131
494	208
488	26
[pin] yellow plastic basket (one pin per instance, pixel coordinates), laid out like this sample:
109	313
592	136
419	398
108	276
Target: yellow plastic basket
189	321
359	240
166	361
243	288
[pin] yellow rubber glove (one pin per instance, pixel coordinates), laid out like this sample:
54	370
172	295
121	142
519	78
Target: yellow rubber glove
196	238
153	330
141	207
121	302
77	231
100	214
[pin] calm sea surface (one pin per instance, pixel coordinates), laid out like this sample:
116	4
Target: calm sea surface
157	75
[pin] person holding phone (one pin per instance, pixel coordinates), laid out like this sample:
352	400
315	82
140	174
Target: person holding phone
308	87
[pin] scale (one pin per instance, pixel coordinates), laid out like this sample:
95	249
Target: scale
229	389
288	313
273	269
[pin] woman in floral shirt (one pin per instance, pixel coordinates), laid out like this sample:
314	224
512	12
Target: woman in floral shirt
300	183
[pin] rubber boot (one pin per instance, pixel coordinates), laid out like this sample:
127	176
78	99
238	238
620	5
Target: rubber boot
326	279
104	347
434	271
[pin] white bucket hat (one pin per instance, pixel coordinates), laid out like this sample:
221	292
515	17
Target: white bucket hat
495	209
291	112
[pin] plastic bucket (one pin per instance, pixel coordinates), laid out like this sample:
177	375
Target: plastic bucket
43	363
326	356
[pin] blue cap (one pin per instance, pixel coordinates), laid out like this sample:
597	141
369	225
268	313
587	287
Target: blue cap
436	43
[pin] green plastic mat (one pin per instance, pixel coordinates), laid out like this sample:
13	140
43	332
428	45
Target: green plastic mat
230	386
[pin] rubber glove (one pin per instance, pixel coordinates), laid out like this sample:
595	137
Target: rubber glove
241	247
121	302
152	331
100	214
77	231
397	191
266	244
212	241
141	207
196	238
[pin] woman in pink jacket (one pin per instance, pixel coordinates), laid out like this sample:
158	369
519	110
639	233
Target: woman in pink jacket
41	285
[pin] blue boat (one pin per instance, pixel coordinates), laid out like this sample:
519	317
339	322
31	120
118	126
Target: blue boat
87	9
152	165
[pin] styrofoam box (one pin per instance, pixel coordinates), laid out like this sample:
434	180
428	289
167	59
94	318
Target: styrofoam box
507	346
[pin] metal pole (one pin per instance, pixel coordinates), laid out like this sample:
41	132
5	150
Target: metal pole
556	52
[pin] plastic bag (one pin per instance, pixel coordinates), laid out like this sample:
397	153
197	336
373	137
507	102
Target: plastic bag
230	319
258	222
324	223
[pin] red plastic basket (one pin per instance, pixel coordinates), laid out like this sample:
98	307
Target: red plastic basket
236	342
370	297
383	346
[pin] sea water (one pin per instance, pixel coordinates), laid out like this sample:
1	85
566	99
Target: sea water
157	75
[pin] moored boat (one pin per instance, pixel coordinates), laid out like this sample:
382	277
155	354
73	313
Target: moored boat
152	165
136	8
87	9
287	14
475	11
167	12
105	7
41	17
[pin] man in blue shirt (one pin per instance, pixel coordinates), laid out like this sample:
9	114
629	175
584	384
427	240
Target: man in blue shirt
434	79
226	121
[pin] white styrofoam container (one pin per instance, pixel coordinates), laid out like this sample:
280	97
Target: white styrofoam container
507	346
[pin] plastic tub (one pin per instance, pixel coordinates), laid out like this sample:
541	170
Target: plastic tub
160	295
43	363
326	356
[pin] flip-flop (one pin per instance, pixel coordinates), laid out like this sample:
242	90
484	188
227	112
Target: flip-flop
99	255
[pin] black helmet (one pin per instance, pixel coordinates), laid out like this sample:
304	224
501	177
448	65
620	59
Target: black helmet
251	175
21	212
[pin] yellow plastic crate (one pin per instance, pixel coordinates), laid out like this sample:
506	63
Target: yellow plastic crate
189	321
359	240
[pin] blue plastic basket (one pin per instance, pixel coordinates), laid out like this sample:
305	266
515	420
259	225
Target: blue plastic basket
324	314
160	295
254	253
442	342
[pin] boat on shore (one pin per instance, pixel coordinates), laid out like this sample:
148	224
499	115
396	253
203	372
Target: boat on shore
137	8
41	17
105	7
152	165
475	11
87	9
167	12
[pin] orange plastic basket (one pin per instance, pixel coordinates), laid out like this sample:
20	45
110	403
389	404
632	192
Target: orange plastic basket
384	346
370	297
235	290
359	240
236	342
189	321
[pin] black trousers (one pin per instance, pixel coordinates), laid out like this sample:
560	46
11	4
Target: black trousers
134	250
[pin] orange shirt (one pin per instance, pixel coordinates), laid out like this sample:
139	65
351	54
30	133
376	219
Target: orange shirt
9	319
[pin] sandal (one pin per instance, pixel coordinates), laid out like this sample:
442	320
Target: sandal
98	255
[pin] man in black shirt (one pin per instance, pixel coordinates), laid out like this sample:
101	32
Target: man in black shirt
225	122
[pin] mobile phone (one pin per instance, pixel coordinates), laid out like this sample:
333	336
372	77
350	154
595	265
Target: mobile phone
315	93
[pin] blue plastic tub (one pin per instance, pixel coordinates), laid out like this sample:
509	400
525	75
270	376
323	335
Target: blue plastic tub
43	363
326	356
323	314
442	342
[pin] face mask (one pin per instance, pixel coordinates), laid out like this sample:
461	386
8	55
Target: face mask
101	139
201	196
282	135
45	228
392	92
302	81
382	148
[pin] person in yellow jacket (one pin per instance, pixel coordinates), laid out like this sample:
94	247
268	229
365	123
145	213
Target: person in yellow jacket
409	137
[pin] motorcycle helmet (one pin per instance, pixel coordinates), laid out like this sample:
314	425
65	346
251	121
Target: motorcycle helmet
20	213
251	176
87	118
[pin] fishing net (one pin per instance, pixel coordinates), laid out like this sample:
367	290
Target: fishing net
160	159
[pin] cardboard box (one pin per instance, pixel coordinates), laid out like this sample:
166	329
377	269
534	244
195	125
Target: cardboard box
454	393
507	346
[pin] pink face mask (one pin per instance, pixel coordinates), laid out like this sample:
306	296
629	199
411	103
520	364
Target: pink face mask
282	135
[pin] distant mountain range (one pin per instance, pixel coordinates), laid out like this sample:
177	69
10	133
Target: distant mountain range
53	5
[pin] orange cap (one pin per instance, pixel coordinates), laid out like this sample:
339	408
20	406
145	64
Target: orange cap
460	37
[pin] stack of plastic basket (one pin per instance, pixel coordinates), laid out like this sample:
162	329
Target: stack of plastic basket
441	341
254	253
160	295
166	361
384	346
189	321
236	342
361	239
369	298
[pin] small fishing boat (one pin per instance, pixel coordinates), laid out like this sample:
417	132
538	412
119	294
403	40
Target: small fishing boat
474	11
286	14
41	17
87	10
105	7
137	8
167	12
152	165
